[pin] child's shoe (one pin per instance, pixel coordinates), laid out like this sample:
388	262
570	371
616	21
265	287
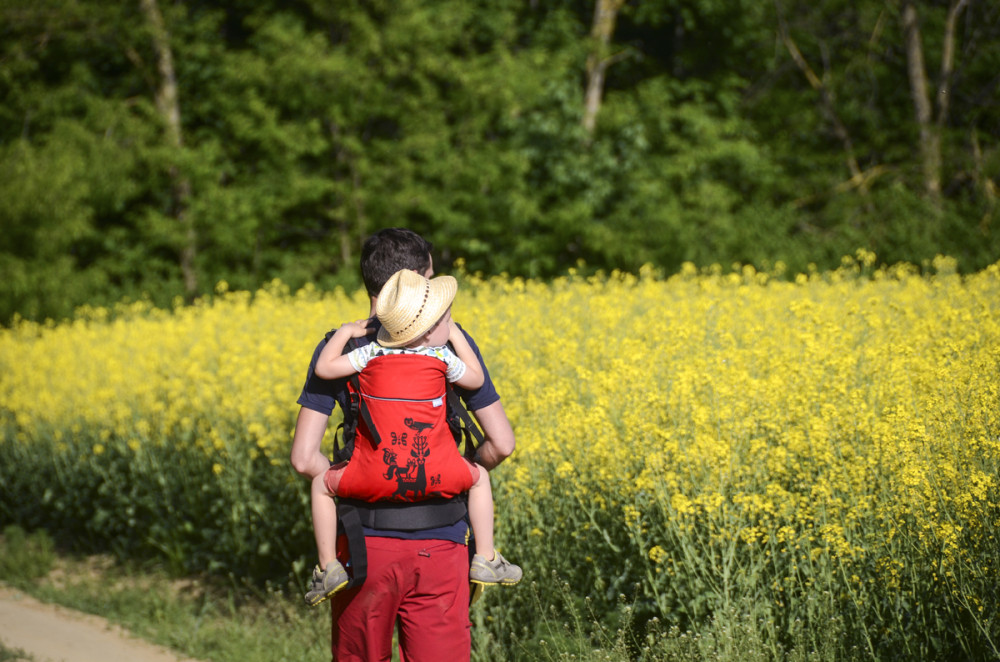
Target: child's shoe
497	571
325	583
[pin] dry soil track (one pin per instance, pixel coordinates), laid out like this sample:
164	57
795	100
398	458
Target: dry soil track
54	634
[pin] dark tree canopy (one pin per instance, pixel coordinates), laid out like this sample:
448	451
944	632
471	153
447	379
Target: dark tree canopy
722	132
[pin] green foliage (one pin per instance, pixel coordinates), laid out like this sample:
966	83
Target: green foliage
25	556
307	127
177	506
14	654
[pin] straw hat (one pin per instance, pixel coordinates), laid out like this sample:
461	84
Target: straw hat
409	305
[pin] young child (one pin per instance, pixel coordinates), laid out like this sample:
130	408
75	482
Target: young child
415	314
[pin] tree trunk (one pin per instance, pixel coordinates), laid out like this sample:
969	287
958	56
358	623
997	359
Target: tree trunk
169	107
605	13
948	60
351	234
930	134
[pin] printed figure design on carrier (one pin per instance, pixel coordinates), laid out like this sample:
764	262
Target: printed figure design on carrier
419	426
411	477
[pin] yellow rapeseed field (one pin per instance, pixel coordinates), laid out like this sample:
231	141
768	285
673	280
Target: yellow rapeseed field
719	431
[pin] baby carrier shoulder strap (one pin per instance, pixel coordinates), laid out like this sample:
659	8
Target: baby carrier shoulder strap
463	428
343	436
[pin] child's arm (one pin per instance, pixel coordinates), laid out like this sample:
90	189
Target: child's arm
332	362
473	377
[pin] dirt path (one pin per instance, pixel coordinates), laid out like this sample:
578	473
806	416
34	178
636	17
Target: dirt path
50	633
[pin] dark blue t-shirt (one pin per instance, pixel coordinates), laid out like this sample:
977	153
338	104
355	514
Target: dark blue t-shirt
322	395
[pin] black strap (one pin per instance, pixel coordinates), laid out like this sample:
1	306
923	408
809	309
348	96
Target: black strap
366	415
462	425
410	515
347	430
357	565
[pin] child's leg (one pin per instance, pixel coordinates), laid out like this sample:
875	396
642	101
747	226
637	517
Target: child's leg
481	513
329	576
488	566
324	516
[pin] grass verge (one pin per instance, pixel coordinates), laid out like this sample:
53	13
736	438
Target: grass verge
208	619
202	619
8	654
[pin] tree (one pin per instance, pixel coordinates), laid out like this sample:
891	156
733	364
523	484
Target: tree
169	107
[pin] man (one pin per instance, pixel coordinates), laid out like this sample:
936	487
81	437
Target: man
418	580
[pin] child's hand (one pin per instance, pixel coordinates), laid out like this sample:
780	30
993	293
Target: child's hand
358	329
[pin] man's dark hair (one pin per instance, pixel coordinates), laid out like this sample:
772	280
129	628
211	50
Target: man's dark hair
389	250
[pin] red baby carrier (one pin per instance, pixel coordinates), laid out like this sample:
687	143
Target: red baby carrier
410	470
403	449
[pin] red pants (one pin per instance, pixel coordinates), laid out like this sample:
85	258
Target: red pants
421	585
